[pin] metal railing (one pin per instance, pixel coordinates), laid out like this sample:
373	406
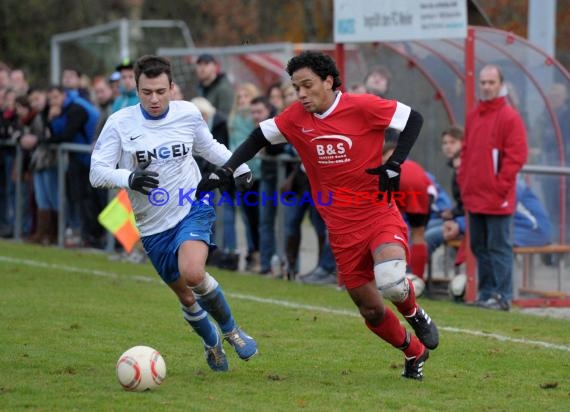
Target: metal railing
282	161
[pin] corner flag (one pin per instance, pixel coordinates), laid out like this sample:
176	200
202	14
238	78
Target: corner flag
119	219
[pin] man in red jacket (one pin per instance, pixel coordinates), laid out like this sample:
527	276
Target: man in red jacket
494	150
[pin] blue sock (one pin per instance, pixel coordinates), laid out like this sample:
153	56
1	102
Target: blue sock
198	319
215	304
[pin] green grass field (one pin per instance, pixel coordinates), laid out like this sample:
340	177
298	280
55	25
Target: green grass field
66	316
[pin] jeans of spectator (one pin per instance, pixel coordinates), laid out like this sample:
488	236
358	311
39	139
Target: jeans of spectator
491	243
229	243
434	235
250	224
7	190
551	195
250	217
326	259
46	189
268	200
83	198
294	215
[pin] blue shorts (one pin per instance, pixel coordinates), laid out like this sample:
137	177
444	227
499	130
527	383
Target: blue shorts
162	248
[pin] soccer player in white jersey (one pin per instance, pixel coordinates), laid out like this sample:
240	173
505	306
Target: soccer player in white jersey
147	148
339	138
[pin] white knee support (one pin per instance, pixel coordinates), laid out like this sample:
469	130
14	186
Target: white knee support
206	286
391	279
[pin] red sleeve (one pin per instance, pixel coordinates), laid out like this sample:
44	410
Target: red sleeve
378	111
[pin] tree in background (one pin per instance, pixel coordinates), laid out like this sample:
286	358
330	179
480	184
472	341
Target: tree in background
27	25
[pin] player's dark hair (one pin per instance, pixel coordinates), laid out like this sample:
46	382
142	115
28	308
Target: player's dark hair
321	64
152	66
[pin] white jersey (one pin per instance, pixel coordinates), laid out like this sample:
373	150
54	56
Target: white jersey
130	138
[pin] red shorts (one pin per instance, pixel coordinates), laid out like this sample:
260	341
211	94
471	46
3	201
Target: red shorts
354	251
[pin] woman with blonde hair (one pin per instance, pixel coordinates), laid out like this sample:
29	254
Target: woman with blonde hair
240	125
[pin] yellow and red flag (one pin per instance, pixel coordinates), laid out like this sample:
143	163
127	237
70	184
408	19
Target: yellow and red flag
119	219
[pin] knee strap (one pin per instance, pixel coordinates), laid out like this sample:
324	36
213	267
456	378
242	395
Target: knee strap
391	279
206	286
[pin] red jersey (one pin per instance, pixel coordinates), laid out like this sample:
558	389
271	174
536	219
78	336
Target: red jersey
415	188
336	147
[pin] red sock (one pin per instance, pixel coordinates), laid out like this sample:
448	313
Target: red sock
408	306
392	331
419	257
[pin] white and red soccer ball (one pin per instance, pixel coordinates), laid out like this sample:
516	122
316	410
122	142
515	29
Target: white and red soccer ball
140	368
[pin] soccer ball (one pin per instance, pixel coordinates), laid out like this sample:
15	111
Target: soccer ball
140	368
419	284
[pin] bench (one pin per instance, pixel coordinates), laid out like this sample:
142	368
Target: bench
527	253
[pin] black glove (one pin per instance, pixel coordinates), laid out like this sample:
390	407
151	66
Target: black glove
389	177
220	178
244	182
142	179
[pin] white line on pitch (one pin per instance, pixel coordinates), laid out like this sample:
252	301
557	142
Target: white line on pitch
96	272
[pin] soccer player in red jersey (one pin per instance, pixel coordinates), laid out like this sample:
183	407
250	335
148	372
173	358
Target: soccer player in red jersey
339	138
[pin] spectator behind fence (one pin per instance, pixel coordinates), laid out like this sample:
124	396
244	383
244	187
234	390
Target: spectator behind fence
115	83
289	94
8	124
104	100
128	87
449	222
73	119
71	82
494	151
19	82
213	84
369	238
240	125
261	110
43	165
377	82
26	116
275	96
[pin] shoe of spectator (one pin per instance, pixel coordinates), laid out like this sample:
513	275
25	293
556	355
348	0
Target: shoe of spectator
136	256
424	328
318	276
414	366
6	232
228	261
244	345
216	356
495	303
252	262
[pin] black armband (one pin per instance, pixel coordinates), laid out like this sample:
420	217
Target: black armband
407	137
249	148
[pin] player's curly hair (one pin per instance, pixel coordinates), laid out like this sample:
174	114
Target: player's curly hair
320	63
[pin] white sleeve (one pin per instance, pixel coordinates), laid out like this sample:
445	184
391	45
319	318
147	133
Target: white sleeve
104	159
213	151
401	116
209	148
272	132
